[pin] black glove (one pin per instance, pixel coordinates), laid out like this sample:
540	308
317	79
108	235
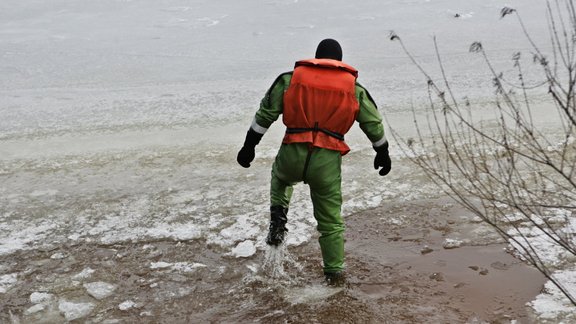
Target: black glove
382	159
246	154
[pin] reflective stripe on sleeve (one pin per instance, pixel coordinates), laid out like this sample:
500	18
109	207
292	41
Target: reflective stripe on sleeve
257	128
380	142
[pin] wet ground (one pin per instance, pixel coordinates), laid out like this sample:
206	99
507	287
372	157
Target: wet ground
408	262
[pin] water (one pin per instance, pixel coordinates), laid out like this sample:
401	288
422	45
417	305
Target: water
275	260
120	122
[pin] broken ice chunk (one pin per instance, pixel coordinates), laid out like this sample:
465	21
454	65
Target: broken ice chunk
73	310
99	289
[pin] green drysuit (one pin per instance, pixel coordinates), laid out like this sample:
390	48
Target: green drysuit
323	172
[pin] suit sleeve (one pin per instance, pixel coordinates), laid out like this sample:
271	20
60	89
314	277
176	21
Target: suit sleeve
369	117
271	106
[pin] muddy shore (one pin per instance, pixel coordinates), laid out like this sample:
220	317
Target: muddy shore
407	262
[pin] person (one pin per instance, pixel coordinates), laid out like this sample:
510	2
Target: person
319	100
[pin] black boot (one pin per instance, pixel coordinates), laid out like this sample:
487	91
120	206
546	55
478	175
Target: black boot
277	230
335	279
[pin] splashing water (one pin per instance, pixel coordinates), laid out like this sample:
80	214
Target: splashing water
275	260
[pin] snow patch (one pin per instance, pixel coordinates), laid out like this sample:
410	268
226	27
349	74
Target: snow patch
549	251
552	305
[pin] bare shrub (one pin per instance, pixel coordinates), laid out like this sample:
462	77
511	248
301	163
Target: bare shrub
514	176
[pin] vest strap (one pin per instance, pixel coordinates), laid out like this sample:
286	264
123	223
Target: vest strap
315	129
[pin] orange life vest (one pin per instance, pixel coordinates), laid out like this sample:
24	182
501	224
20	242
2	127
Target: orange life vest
320	104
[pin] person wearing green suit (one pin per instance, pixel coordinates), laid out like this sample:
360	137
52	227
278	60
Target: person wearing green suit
319	100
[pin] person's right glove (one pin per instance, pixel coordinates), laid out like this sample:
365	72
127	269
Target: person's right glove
382	159
246	154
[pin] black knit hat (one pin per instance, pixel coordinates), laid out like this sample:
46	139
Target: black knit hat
329	49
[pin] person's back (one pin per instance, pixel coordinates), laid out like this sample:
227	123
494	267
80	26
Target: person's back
320	104
319	100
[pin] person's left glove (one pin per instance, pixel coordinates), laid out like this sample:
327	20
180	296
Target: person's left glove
247	152
382	159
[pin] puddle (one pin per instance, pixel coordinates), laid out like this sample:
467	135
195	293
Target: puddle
476	278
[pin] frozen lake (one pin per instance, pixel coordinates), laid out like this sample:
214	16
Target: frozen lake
120	117
120	120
